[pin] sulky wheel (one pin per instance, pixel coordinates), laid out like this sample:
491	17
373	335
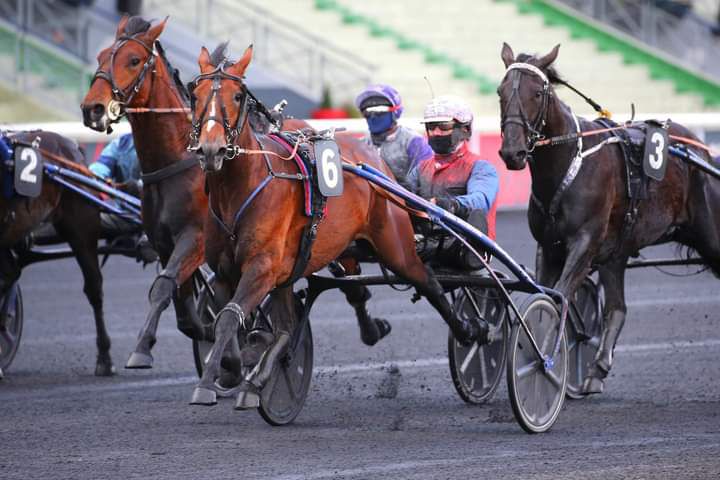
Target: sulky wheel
11	325
476	370
206	309
582	346
537	388
284	394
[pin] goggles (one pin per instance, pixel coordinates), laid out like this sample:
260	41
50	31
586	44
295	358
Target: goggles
377	109
443	126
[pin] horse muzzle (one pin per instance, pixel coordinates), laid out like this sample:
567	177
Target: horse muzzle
514	159
95	116
211	156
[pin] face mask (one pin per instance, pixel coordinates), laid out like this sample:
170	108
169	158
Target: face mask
446	144
380	122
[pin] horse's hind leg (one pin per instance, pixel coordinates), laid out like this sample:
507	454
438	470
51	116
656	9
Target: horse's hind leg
612	277
84	245
371	329
402	259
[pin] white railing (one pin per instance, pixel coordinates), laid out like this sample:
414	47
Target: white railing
700	123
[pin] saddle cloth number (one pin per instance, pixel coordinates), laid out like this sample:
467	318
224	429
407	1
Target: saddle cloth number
329	168
656	150
28	171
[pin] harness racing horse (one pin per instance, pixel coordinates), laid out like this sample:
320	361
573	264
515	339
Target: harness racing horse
135	77
76	220
581	212
256	223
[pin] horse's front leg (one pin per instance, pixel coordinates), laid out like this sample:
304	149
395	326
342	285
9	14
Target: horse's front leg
612	277
284	319
257	280
186	256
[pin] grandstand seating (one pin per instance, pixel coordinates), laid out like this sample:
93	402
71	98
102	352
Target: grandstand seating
457	46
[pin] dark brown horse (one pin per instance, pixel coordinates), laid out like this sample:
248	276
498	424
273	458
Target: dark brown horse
254	250
134	73
580	212
76	220
135	76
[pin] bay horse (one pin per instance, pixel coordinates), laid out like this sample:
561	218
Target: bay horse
76	221
580	211
256	221
135	78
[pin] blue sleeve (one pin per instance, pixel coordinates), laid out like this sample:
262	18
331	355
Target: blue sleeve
105	165
482	187
418	150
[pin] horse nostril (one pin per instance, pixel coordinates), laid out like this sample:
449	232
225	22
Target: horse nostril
97	111
520	155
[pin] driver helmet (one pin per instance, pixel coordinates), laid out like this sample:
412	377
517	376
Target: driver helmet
380	95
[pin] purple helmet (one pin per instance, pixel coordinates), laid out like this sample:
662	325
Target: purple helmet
385	91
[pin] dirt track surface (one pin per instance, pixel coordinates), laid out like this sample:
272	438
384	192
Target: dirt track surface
658	418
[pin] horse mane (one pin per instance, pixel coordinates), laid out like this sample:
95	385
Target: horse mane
219	55
136	25
551	72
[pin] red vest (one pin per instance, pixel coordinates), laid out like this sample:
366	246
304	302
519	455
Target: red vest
447	175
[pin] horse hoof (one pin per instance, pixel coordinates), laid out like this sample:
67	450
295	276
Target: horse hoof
139	360
593	385
382	329
105	370
203	396
248	397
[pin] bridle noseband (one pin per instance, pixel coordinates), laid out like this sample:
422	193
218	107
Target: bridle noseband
124	97
533	132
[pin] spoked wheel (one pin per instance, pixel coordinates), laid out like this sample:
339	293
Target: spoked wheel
284	394
476	370
582	346
207	309
537	388
11	325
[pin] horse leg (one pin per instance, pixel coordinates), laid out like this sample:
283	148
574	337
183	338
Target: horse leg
403	260
162	291
547	267
256	281
84	246
371	329
612	277
284	318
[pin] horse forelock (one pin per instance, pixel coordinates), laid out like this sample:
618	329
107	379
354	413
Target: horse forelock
136	25
550	71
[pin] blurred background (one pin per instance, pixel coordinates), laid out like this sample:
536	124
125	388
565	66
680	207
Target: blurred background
660	55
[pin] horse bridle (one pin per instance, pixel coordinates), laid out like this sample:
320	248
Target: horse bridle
232	130
532	131
124	97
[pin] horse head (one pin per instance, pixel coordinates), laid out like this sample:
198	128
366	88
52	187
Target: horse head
525	95
220	104
122	70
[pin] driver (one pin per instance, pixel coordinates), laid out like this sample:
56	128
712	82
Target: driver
455	179
400	147
119	162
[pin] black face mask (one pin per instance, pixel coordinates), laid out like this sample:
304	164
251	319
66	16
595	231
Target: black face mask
446	144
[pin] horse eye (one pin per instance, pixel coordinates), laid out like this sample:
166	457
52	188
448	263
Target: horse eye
538	94
238	96
134	61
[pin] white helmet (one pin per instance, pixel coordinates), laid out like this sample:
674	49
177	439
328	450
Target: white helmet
446	108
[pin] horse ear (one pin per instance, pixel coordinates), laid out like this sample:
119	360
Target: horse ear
548	59
507	55
204	60
241	65
121	26
155	31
